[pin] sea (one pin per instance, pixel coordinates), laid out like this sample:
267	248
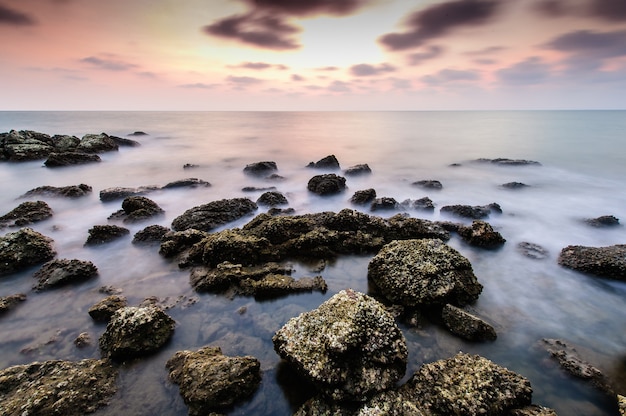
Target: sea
581	175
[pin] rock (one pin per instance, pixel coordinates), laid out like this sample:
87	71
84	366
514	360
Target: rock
603	221
137	133
100	234
609	262
281	211
532	410
358	170
260	168
65	143
139	208
466	325
276	285
82	340
70	158
508	162
473	212
152	234
60	272
569	359
187	183
97	143
227	275
271	199
514	185
112	194
104	310
57	387
621	402
532	250
384	204
190	166
209	380
9	302
73	191
134	332
364	197
422	204
24	248
349	347
423	272
481	234
214	214
328	184
328	162
175	242
466	385
257	189
429	184
25	145
125	142
26	213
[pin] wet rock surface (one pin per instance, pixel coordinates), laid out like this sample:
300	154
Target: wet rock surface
57	387
24	248
26	213
214	214
609	262
61	272
328	162
136	209
72	191
481	234
428	184
104	310
56	160
422	204
532	250
514	185
115	193
152	234
209	380
363	197
603	221
509	162
101	234
261	168
466	325
272	199
328	184
349	347
472	212
187	183
136	331
9	302
358	170
418	273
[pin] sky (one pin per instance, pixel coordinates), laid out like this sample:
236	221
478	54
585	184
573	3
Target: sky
297	55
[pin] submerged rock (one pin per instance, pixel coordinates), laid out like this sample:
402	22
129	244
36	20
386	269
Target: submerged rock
103	311
532	410
101	234
429	184
138	208
328	184
24	248
26	213
358	170
59	272
152	234
70	158
350	347
422	204
532	250
472	212
328	162
9	302
73	191
71	388
466	325
187	183
134	332
260	168
214	214
419	273
384	204
603	221
112	194
609	262
514	185
364	197
125	142
209	380
272	199
97	143
481	234
508	162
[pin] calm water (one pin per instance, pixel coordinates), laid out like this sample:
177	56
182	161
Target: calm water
583	157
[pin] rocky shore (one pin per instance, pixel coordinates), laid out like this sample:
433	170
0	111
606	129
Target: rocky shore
350	349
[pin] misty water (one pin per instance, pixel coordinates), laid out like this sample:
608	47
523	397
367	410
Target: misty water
583	165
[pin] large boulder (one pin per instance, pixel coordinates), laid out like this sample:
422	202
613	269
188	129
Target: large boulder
24	248
72	191
209	380
423	272
358	170
101	234
60	272
327	184
25	145
481	234
328	162
363	197
136	331
272	199
261	168
97	143
26	213
214	214
609	262
138	208
57	387
350	347
70	158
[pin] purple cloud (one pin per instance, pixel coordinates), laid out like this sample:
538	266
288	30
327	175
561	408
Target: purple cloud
259	66
14	18
614	10
450	75
438	20
297	78
339	86
432	52
108	64
364	70
243	81
198	85
592	44
309	7
528	72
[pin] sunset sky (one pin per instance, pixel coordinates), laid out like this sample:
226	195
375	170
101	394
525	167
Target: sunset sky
312	54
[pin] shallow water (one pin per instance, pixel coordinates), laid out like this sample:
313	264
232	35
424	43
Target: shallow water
581	176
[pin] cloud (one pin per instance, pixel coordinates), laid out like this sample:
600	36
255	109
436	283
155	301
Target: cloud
528	72
261	30
592	44
109	64
243	81
259	66
432	52
611	10
400	84
364	70
450	75
309	7
296	77
14	18
552	8
438	20
339	86
198	85
327	68
614	10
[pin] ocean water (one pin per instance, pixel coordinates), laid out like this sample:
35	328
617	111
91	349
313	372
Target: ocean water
583	165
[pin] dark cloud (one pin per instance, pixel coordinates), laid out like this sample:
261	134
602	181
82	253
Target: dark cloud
364	70
598	45
14	18
614	10
109	64
198	85
528	72
431	52
551	8
450	75
438	20
261	30
309	7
